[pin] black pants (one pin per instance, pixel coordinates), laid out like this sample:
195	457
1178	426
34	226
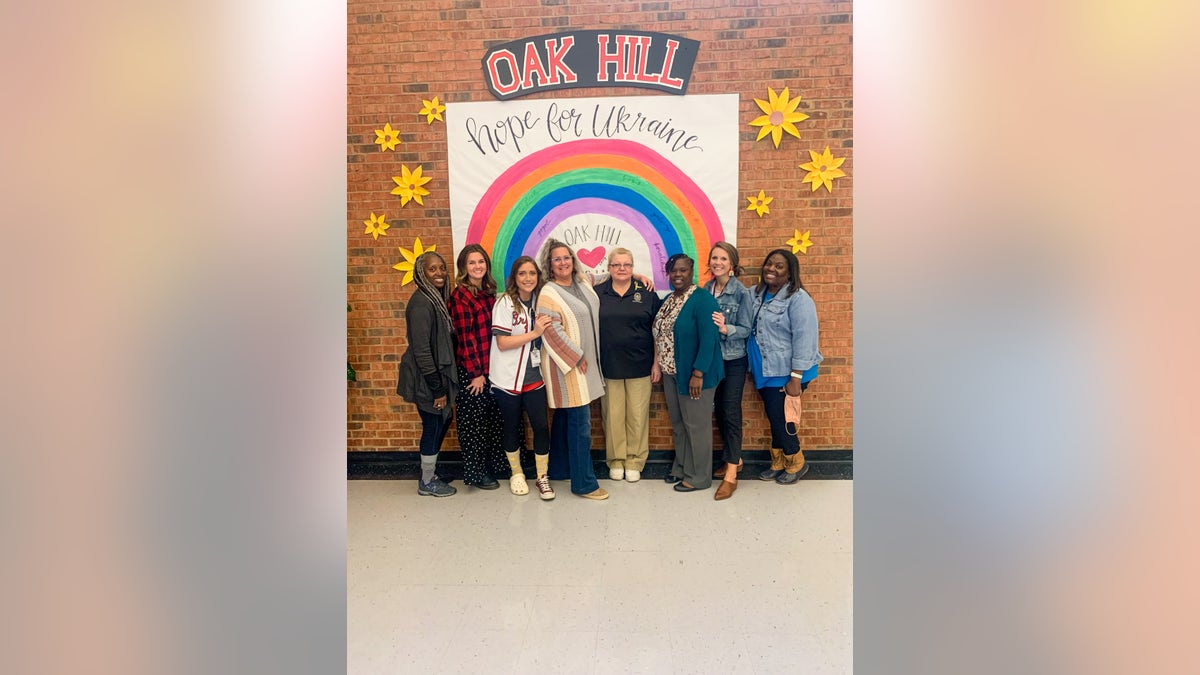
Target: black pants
729	408
433	431
773	401
533	404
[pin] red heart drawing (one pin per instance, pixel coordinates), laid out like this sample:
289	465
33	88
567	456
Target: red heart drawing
591	257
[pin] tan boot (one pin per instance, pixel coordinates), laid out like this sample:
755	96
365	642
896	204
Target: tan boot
776	466
794	469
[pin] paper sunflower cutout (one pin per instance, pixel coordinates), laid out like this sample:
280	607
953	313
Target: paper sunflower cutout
377	225
387	137
432	111
779	115
822	170
759	203
408	185
410	258
800	242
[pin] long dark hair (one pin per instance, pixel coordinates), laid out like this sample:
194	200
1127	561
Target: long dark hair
793	265
488	284
510	287
438	296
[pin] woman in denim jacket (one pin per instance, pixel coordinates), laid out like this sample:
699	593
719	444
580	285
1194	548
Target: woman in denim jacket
783	356
733	322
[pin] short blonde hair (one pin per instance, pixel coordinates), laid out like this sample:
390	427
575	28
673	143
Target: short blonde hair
619	251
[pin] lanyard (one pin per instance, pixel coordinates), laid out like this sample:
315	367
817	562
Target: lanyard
754	330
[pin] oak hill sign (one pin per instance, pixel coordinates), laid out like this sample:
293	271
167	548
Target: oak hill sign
590	58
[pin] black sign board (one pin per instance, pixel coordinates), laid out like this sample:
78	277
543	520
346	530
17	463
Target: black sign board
590	58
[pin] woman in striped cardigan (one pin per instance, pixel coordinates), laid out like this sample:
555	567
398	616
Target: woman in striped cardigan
572	373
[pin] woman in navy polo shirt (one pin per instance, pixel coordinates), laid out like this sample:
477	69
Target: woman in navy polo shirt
627	310
783	356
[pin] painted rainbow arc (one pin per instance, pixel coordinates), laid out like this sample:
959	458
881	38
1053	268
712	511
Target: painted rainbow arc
617	178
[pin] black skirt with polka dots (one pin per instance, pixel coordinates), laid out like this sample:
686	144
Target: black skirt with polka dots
479	426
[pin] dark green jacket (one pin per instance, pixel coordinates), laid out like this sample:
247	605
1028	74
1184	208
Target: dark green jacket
698	342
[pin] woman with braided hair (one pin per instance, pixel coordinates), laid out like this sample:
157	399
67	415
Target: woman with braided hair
428	378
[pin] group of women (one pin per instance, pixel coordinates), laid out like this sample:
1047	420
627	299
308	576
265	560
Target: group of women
559	343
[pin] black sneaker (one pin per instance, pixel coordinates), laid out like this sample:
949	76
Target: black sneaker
488	483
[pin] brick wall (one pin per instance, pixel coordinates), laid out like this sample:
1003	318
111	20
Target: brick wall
396	59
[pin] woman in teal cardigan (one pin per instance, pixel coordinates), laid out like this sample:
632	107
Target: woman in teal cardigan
687	346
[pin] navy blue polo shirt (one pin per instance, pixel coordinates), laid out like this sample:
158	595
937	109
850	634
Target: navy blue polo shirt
626	343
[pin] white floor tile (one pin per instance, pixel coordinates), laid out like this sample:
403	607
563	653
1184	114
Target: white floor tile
648	581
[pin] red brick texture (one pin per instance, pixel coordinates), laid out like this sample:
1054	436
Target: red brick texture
402	52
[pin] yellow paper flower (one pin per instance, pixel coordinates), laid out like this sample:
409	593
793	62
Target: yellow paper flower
800	242
376	225
408	185
410	258
387	138
432	110
759	203
778	116
822	170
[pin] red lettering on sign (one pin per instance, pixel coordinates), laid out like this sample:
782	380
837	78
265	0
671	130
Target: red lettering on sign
641	50
555	63
669	60
503	55
607	58
533	66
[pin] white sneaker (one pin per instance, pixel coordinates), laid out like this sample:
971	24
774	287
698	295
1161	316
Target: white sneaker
616	472
517	484
633	475
543	487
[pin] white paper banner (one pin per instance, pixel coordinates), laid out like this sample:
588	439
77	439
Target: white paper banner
657	175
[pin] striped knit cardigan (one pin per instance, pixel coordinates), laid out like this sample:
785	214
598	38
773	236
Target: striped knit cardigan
566	386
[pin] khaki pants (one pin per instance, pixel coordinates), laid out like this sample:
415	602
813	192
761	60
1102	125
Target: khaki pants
625	407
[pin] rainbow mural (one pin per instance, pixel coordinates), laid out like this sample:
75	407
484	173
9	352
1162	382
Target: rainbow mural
619	179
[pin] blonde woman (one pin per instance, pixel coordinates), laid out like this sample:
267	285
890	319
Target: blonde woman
627	309
573	372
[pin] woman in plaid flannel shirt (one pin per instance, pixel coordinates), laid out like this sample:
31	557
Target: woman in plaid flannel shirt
478	417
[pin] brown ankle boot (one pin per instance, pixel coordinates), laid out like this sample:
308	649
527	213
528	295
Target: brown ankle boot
794	469
776	466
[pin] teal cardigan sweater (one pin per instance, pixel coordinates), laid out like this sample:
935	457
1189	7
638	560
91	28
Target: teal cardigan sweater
698	342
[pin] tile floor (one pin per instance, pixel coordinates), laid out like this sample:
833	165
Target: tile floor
649	581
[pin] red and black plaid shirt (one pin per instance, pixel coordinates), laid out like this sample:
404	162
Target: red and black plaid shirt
472	317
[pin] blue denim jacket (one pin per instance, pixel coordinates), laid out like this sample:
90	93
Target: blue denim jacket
737	304
786	330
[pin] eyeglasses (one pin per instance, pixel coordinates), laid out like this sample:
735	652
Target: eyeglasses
559	260
620	266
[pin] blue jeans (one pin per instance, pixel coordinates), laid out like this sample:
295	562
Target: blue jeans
571	434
